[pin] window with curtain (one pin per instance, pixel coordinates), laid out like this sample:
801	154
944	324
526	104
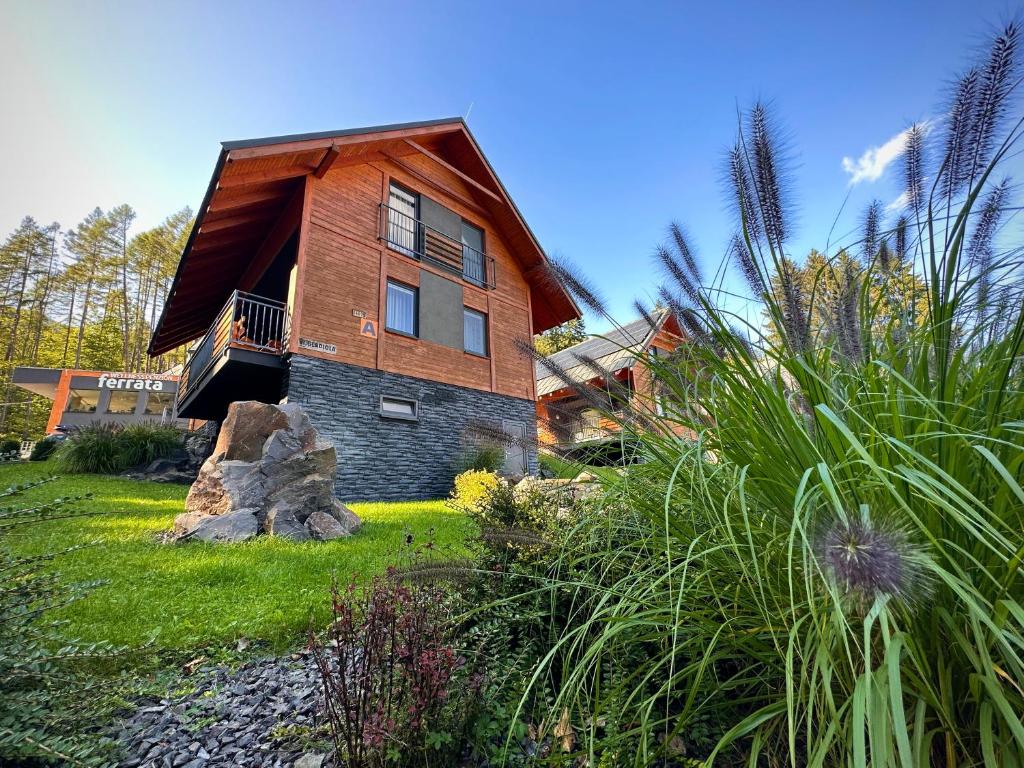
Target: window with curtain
473	253
401	309
474	331
402	220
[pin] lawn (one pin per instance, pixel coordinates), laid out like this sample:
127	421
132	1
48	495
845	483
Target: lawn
188	596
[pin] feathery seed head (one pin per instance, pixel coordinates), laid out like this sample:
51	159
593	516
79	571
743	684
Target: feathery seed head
867	560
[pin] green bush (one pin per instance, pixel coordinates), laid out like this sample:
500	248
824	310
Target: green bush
111	448
44	449
486	457
9	446
820	554
143	443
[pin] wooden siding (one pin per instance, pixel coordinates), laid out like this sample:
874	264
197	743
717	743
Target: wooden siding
344	268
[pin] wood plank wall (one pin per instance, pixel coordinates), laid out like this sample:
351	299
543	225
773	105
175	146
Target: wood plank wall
343	268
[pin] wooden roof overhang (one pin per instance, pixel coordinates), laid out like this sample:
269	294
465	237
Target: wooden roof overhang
254	181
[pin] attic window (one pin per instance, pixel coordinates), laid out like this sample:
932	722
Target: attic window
398	408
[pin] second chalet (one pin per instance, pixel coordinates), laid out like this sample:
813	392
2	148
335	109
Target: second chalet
563	418
380	277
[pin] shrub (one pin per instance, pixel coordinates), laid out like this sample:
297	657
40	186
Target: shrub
822	556
10	447
143	443
45	694
390	676
472	488
485	457
110	448
44	449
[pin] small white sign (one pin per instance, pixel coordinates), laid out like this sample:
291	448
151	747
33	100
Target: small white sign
317	346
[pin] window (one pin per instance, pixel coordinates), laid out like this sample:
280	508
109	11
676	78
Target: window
401	309
83	400
473	254
403	224
122	401
398	408
160	404
474	331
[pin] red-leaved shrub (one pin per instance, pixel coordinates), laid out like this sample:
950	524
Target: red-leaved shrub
387	671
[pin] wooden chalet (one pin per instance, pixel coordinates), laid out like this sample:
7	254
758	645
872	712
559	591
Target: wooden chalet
382	277
563	418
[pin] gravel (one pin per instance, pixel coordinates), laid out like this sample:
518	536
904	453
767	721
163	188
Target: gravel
264	714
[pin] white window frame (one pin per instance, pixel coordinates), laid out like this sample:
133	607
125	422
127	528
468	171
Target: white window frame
414	408
415	292
483	317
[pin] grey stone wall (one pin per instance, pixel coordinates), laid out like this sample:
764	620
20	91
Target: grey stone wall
383	459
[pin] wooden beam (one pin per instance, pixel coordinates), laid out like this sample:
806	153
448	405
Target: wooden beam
223	202
448	166
356	138
301	274
275	240
226	222
260	177
437	184
325	165
222	240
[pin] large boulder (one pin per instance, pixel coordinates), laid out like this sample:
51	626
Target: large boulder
269	464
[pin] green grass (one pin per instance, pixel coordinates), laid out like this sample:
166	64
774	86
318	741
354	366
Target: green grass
567	470
189	596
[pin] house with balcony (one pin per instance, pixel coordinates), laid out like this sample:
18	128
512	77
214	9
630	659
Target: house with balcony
380	277
565	419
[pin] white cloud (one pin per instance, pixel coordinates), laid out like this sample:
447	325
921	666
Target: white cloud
873	162
898	204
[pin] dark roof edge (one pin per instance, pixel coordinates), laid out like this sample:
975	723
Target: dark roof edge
270	140
519	214
222	157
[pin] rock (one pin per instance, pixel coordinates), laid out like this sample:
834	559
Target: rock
309	760
270	462
231	527
280	445
349	520
324	527
246	428
303	496
208	496
186	523
280	520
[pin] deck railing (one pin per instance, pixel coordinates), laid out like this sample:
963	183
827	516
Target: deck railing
422	242
246	321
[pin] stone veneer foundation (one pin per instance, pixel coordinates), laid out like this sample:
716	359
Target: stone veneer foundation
384	459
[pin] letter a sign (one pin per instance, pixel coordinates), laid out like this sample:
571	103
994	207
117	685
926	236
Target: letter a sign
368	328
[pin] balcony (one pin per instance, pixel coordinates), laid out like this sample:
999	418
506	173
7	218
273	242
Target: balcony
239	358
419	241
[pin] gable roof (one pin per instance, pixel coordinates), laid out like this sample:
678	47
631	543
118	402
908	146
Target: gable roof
254	180
614	351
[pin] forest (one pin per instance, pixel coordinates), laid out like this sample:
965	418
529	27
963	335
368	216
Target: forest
87	297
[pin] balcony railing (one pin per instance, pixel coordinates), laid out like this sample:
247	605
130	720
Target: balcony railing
245	321
422	242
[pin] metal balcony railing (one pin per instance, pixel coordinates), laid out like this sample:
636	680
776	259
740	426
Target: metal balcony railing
422	242
246	321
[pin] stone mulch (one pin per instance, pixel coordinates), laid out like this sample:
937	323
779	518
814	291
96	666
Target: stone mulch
264	714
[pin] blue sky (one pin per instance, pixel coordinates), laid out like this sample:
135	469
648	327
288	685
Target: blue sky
605	120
